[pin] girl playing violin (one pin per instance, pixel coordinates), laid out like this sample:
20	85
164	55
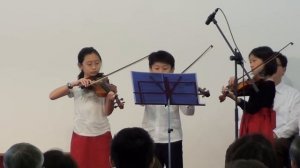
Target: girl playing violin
91	137
258	116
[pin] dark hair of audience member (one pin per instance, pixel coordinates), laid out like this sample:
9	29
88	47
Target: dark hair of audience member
283	60
254	146
55	158
23	155
295	152
242	163
132	148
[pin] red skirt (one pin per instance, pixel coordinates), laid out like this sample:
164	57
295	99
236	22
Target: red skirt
262	122
91	152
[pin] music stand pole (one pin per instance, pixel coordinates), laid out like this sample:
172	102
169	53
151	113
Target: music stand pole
168	94
169	134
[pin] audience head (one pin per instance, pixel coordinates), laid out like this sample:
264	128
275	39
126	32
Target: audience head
281	67
242	163
282	60
57	159
23	155
295	153
254	146
132	148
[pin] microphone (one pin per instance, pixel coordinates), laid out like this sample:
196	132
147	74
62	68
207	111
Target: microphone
211	17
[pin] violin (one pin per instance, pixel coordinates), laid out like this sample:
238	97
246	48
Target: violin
242	88
203	92
100	84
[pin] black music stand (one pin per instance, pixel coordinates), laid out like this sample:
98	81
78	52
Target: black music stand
165	89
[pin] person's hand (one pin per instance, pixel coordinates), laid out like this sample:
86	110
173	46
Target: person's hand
231	81
227	92
111	96
83	82
224	90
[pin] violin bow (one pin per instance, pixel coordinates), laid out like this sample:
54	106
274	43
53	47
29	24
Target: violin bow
113	72
206	93
210	47
99	80
269	59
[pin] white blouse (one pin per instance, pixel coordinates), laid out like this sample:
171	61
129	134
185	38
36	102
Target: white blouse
90	119
156	121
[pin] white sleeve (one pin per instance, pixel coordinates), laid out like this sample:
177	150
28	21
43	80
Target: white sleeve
187	110
292	126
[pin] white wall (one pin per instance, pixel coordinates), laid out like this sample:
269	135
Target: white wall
39	42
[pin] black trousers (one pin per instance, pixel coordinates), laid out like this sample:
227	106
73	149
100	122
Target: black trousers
161	151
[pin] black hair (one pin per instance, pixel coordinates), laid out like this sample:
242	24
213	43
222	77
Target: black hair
283	60
295	151
132	148
23	155
84	52
252	146
266	53
161	56
55	158
243	163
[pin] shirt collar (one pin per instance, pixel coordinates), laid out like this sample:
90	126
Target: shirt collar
280	87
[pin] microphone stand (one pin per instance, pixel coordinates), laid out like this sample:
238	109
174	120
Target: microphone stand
238	60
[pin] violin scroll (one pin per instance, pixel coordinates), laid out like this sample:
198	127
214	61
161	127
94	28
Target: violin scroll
203	92
119	102
110	87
